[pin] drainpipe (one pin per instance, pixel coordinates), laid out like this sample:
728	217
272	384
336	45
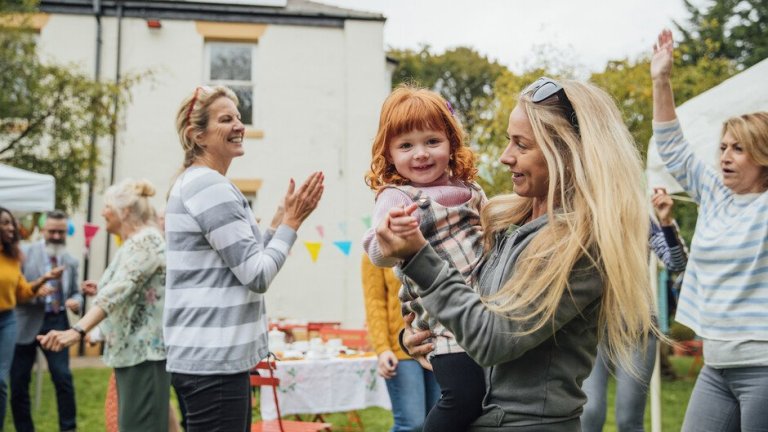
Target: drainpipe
114	132
94	144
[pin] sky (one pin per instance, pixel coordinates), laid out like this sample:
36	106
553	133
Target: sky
519	33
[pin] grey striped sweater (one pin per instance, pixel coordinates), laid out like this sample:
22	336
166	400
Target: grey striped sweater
219	266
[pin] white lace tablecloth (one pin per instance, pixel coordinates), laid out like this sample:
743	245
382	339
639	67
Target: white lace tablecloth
324	386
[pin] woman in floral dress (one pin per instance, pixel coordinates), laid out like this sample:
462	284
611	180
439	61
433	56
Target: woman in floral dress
129	306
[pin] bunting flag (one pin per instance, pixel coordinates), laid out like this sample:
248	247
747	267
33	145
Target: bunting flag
343	228
90	230
118	240
320	230
367	221
344	246
314	249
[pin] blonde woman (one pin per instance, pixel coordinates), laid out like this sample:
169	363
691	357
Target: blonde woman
220	265
565	262
129	306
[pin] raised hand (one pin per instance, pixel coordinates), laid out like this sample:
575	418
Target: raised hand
663	205
661	62
299	204
44	290
398	233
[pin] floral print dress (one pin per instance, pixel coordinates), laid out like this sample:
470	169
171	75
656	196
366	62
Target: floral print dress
131	293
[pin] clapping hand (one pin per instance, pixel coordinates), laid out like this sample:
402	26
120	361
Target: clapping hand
299	204
661	62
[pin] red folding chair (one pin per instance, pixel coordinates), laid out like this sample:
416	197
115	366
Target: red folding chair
279	425
352	338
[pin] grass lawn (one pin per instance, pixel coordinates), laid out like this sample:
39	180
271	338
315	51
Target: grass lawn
91	384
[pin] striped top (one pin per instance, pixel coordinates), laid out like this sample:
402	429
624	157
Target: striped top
666	243
219	266
725	287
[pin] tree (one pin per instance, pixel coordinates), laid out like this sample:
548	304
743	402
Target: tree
732	29
50	114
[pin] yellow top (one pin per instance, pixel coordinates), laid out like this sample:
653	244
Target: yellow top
13	286
382	308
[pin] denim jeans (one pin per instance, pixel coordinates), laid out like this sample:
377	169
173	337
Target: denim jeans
413	392
58	364
631	391
725	400
7	342
215	403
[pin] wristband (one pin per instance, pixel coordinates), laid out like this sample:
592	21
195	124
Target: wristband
80	330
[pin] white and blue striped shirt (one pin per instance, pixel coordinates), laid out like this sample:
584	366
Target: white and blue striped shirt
219	266
725	288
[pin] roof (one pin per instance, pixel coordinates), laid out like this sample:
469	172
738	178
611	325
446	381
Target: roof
295	12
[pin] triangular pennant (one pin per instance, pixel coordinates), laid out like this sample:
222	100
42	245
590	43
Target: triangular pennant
320	230
367	221
344	246
90	230
314	249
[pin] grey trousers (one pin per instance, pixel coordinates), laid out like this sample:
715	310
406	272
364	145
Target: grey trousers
725	400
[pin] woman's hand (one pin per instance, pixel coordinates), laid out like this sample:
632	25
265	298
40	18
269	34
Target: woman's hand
56	340
387	364
413	340
277	219
89	287
299	204
44	290
663	205
399	235
661	62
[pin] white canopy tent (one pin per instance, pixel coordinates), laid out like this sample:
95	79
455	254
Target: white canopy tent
25	191
702	119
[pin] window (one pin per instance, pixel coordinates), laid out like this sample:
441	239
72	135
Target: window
231	64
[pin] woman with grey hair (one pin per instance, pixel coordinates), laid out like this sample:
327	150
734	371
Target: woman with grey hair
129	306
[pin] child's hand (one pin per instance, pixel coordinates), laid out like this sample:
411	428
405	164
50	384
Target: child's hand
663	204
398	233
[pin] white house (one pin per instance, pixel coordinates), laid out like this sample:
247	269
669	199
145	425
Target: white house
311	79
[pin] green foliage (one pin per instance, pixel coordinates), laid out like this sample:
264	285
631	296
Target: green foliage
736	30
50	114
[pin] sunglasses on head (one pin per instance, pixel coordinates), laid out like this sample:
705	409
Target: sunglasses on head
545	88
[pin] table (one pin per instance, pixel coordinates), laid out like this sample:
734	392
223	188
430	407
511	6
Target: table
325	386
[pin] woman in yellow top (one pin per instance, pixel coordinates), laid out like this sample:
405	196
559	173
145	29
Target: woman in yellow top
13	288
412	389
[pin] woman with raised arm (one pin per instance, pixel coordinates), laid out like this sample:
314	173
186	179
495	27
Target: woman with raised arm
724	298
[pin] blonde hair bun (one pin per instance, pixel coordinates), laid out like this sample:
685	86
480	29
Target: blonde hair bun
144	188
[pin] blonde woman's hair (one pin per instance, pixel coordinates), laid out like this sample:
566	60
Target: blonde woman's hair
192	118
751	131
130	200
596	210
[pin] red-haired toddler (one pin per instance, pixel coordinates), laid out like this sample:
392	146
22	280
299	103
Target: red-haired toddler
419	156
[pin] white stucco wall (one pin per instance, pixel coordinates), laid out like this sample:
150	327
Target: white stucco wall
317	96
